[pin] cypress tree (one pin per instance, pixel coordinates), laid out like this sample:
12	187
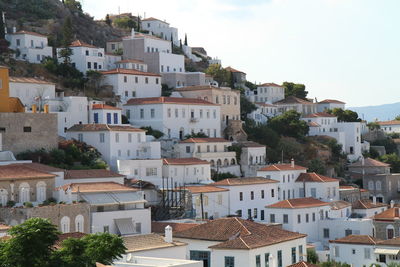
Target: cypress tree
108	20
138	23
180	43
186	43
172	39
2	29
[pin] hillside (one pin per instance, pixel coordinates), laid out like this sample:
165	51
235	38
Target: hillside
381	112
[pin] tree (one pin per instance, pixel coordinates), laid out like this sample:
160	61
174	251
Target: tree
138	24
2	26
295	89
180	44
397	118
73	5
246	107
186	43
317	166
150	131
372	126
196	135
218	176
172	39
312	256
289	124
220	75
108	20
392	159
345	115
94	81
31	244
125	23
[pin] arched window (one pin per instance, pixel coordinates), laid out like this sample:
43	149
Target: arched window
378	185
233	162
79	221
219	162
24	193
389	231
3	197
370	185
212	162
226	162
65	224
40	191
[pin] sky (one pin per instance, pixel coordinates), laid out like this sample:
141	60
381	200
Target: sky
340	49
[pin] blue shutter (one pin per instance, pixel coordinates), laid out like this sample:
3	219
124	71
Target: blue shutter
108	118
115	118
96	117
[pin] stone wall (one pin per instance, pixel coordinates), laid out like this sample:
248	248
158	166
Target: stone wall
28	131
380	228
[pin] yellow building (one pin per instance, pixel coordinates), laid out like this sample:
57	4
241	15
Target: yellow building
7	103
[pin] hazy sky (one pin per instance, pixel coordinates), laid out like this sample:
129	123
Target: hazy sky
341	49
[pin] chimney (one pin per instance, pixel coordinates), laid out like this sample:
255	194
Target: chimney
168	234
46	108
33	108
292	163
374	200
391	204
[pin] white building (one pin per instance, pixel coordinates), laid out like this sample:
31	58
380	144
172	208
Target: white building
301	215
32	90
175	117
132	83
138	261
85	56
111	61
115	208
149	170
299	105
252	158
286	174
185	171
29	46
263	113
209	201
104	114
238	242
132	64
390	126
330	104
269	93
115	142
366	208
213	150
161	29
317	186
248	196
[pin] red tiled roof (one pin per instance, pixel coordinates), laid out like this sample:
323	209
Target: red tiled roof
96	187
282	167
367	204
204	189
368	162
22	171
314	177
333	101
388	215
244	181
94	173
28	80
313	124
168	100
104	106
184	161
130	61
129	72
298	203
95	127
339	204
62	237
79	43
320	114
270	85
159	227
42	167
205	87
347	187
303	264
205	140
233	70
293	100
393	122
357	239
30	33
250	144
236	233
390	242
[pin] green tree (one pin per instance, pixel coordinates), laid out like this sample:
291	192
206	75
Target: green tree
372	126
295	89
138	24
397	118
345	115
2	26
31	244
73	5
317	166
125	23
392	159
220	75
246	107
312	256
218	176
108	20
67	32
289	124
196	135
94	81
150	131
186	42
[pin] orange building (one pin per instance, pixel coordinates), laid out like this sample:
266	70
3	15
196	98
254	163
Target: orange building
7	103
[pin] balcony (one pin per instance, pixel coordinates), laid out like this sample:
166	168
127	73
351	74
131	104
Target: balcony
194	120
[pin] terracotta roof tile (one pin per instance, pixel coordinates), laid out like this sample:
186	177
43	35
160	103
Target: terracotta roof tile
14	79
339	204
22	171
30	33
42	167
388	215
313	124
205	140
368	162
270	85
393	122
298	203
204	189
244	181
293	100
104	106
93	173
130	61
303	264
250	144
313	177
329	101
233	70
168	100
390	242
159	227
4	227
184	161
282	167
367	204
62	237
102	127
129	72
96	187
320	115
147	242
357	239
79	43
236	233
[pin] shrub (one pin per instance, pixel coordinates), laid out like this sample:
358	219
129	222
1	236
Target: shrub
28	204
156	133
10	203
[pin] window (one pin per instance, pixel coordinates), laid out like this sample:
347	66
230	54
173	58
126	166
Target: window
108	118
272	218
258	261
176	113
241	196
102	135
298	218
301	251
262	193
219	200
136	79
128	113
348	232
239	213
336	250
129	138
201	113
18	42
294	255
262	216
156	80
115	118
266	258
285	218
138	227
151	171
229	261
146	80
87	52
169	113
367	253
133	93
89	65
252	195
279	258
80	137
326	233
249	213
313	216
255	213
27	129
307	218
65	224
214	114
142	113
353	251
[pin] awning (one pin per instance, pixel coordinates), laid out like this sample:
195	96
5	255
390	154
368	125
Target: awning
386	251
125	226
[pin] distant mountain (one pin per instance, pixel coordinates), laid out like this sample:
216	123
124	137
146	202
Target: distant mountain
381	112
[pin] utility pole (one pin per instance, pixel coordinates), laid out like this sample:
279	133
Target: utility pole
201	205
